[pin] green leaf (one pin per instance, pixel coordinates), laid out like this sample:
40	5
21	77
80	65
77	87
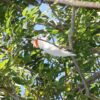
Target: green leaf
55	31
25	11
41	66
8	22
19	80
2	55
3	63
29	12
68	87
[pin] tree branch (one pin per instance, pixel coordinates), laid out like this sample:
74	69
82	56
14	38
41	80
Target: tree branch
89	81
71	46
76	3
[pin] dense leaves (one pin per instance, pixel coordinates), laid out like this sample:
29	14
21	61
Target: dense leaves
27	73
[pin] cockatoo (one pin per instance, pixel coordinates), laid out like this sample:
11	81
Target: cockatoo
41	42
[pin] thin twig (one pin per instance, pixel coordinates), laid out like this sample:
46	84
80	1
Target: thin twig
71	46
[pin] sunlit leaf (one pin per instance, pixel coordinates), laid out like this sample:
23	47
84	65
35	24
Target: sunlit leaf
25	11
2	55
68	87
55	31
3	64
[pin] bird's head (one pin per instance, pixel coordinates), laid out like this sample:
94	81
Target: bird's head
38	37
34	41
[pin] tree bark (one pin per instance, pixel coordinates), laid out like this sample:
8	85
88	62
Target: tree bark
76	3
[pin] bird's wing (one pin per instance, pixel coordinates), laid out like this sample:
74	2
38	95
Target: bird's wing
53	50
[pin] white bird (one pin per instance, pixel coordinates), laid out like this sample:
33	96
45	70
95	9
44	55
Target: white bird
42	43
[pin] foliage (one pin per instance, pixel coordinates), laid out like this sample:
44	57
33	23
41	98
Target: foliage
41	75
